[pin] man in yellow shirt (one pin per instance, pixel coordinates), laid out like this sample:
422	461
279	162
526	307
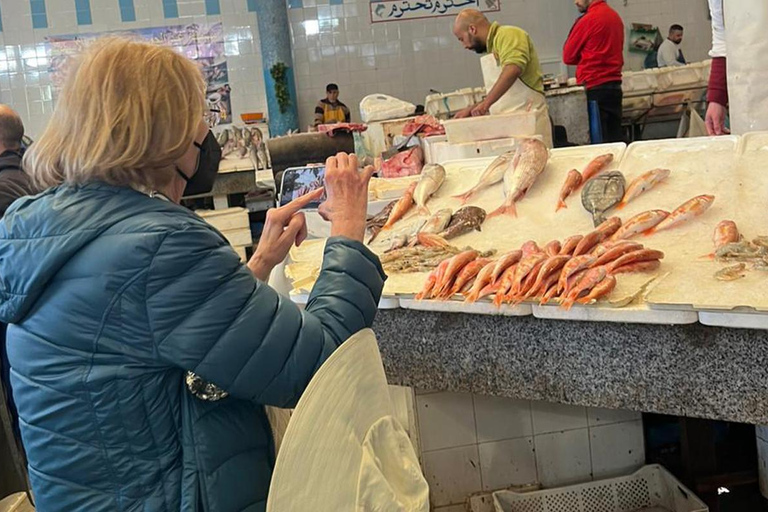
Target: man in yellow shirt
511	70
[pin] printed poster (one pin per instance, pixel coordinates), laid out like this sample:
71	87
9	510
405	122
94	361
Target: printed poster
202	43
396	10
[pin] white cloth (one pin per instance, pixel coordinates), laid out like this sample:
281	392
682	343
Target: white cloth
518	98
669	51
344	450
718	29
745	22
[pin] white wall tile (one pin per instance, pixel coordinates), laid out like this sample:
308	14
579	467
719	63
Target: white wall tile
598	416
502	418
563	458
617	449
551	417
452	474
507	463
446	420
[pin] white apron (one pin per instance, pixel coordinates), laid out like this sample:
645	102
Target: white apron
747	62
519	97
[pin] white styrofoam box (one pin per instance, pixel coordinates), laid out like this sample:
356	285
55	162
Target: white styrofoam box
599	416
551	417
637	102
640	314
452	474
456	306
617	449
501	418
677	77
302	298
442	104
226	219
734	320
638	82
446	420
440	150
563	458
241	252
238	237
506	463
502	126
651	488
378	137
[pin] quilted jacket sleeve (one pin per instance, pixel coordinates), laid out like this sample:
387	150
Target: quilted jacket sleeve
208	314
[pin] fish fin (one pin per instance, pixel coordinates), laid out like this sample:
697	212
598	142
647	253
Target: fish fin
710	256
560	205
621	205
423	210
465	196
649	232
504	210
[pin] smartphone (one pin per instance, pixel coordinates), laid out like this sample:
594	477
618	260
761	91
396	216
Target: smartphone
298	181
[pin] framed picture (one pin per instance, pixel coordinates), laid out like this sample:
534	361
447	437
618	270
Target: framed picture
644	38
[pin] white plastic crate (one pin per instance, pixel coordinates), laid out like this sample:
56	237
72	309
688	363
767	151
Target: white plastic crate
650	489
503	126
441	105
638	82
438	149
679	77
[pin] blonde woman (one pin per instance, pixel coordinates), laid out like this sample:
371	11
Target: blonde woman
142	351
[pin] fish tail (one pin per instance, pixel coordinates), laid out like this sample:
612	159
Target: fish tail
504	210
710	256
465	196
560	205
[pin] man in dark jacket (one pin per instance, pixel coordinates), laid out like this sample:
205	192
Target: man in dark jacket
14	183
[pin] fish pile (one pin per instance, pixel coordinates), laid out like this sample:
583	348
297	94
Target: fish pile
581	268
244	142
427	255
730	247
529	162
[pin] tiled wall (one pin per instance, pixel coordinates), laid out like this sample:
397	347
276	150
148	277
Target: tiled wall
25	83
338	43
473	443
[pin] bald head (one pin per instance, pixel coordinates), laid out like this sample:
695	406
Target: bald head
471	29
11	129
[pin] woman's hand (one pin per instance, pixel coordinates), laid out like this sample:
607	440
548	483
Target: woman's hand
347	196
284	227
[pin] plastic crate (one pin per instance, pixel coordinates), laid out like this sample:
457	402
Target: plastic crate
502	126
650	489
640	82
679	77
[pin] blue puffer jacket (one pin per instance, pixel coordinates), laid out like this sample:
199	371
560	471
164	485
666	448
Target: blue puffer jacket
112	296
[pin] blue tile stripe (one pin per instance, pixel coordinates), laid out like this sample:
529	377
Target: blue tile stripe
295	4
1	19
251	5
212	7
336	2
170	9
39	16
83	8
127	10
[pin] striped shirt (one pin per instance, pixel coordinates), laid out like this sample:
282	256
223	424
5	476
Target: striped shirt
329	113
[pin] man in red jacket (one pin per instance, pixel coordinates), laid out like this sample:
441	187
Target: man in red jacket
596	47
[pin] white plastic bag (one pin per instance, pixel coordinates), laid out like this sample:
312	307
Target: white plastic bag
380	107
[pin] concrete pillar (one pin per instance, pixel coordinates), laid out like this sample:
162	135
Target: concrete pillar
275	37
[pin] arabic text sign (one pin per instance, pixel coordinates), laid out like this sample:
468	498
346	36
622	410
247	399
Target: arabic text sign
394	10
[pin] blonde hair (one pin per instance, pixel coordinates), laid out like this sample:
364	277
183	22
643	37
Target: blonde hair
126	112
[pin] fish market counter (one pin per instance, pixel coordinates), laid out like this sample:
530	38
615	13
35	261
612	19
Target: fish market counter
686	370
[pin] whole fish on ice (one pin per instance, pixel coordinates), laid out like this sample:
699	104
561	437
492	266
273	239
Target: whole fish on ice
572	182
642	222
529	162
493	174
643	183
432	178
685	212
402	207
596	166
463	221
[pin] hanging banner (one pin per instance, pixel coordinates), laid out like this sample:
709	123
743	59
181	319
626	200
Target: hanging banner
397	10
202	43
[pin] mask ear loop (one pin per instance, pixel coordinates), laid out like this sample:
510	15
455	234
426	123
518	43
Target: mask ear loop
197	165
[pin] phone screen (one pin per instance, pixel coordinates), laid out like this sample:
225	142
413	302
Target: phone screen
298	181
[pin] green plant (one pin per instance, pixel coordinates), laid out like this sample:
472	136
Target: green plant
279	72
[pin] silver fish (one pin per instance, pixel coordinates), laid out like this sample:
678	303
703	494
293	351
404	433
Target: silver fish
492	174
432	178
437	222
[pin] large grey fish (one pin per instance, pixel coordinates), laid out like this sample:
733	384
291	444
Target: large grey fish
463	221
432	178
602	193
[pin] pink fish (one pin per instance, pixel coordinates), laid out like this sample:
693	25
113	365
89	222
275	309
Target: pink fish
596	166
402	206
643	183
529	162
685	212
572	182
640	223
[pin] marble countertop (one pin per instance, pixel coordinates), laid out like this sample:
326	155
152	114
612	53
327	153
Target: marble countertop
692	370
